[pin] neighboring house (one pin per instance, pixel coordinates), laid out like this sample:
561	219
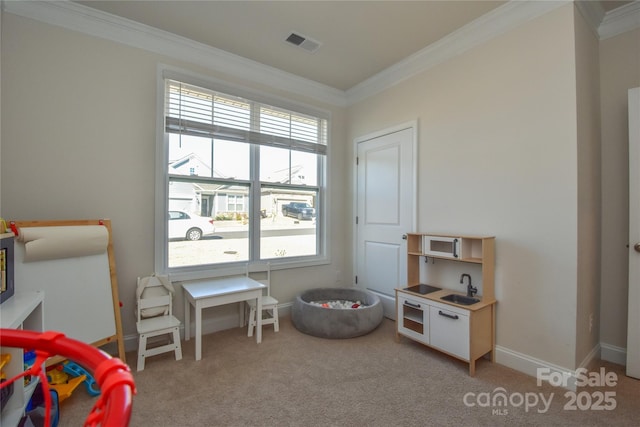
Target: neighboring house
190	164
214	199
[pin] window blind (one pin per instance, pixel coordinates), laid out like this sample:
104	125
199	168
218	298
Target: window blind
192	110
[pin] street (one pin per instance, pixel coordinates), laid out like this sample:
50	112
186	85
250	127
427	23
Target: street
281	237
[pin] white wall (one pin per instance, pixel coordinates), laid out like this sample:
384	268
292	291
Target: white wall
79	142
619	71
589	195
497	155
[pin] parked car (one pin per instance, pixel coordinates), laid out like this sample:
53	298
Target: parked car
299	210
189	226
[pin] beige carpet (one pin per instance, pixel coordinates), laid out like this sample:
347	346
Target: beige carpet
292	379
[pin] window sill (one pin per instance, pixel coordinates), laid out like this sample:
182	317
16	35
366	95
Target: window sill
194	273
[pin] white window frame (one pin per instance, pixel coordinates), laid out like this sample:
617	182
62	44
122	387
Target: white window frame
235	198
162	179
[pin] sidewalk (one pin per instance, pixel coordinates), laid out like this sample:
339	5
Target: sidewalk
277	223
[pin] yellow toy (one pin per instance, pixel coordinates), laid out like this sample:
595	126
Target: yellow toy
62	382
4	359
56	376
65	389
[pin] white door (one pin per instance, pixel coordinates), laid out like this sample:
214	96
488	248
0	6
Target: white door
386	203
633	328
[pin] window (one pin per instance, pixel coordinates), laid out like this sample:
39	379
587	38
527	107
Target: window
248	175
235	203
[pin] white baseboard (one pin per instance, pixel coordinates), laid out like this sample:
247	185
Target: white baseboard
529	365
284	310
519	361
613	354
209	326
593	355
388	304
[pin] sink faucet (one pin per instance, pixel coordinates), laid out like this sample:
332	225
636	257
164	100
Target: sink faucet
471	290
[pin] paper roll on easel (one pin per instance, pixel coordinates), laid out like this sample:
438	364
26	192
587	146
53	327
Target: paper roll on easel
46	243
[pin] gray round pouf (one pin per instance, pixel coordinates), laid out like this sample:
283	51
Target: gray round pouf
334	322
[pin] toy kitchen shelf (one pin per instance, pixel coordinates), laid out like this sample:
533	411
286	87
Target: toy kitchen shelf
22	311
465	329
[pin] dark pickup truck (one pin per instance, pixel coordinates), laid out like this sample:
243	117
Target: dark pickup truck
299	210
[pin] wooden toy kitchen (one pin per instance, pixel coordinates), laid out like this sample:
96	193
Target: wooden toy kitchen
460	324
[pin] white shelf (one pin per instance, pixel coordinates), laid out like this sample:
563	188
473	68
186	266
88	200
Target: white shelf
22	311
15	310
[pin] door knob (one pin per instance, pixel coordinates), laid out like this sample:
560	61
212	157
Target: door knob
637	247
404	237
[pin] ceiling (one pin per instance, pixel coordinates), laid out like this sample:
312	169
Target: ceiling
358	39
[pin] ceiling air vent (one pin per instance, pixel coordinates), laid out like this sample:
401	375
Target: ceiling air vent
304	42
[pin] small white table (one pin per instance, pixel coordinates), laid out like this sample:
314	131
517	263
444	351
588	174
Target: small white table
212	292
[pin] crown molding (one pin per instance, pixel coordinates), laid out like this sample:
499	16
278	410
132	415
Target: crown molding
497	22
620	20
592	12
512	14
96	23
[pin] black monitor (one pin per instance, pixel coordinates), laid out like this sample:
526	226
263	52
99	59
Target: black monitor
7	286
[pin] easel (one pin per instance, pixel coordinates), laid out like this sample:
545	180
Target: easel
118	336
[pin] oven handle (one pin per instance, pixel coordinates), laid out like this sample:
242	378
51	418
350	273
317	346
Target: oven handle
450	316
411	304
